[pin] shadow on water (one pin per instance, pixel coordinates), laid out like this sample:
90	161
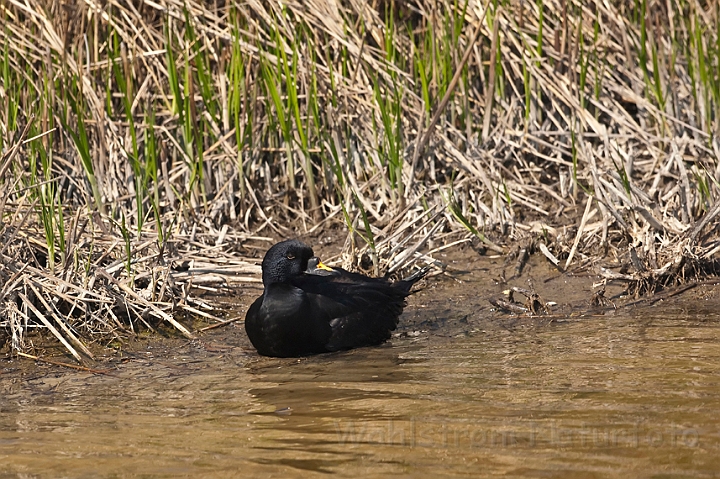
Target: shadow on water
460	391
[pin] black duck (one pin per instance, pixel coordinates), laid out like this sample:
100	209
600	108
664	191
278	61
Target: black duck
309	308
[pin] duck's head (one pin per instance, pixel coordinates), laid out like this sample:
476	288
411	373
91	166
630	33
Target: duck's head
284	261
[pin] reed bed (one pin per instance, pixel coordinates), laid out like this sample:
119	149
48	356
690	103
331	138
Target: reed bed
147	144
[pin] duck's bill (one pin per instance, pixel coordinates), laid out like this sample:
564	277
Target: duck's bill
316	267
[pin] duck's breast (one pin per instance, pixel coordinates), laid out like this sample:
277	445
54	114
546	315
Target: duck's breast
280	323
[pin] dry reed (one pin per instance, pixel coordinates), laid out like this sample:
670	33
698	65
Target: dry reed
144	142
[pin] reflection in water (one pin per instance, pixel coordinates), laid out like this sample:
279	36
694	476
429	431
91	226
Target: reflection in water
615	396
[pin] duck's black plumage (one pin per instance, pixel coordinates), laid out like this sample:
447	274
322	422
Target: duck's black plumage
308	308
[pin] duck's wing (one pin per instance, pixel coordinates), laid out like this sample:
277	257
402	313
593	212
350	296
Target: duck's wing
360	313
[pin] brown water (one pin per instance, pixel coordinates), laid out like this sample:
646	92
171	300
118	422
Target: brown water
462	392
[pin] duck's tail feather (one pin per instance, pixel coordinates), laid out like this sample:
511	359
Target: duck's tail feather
415	277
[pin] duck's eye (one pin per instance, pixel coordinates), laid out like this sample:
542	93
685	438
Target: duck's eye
290	256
